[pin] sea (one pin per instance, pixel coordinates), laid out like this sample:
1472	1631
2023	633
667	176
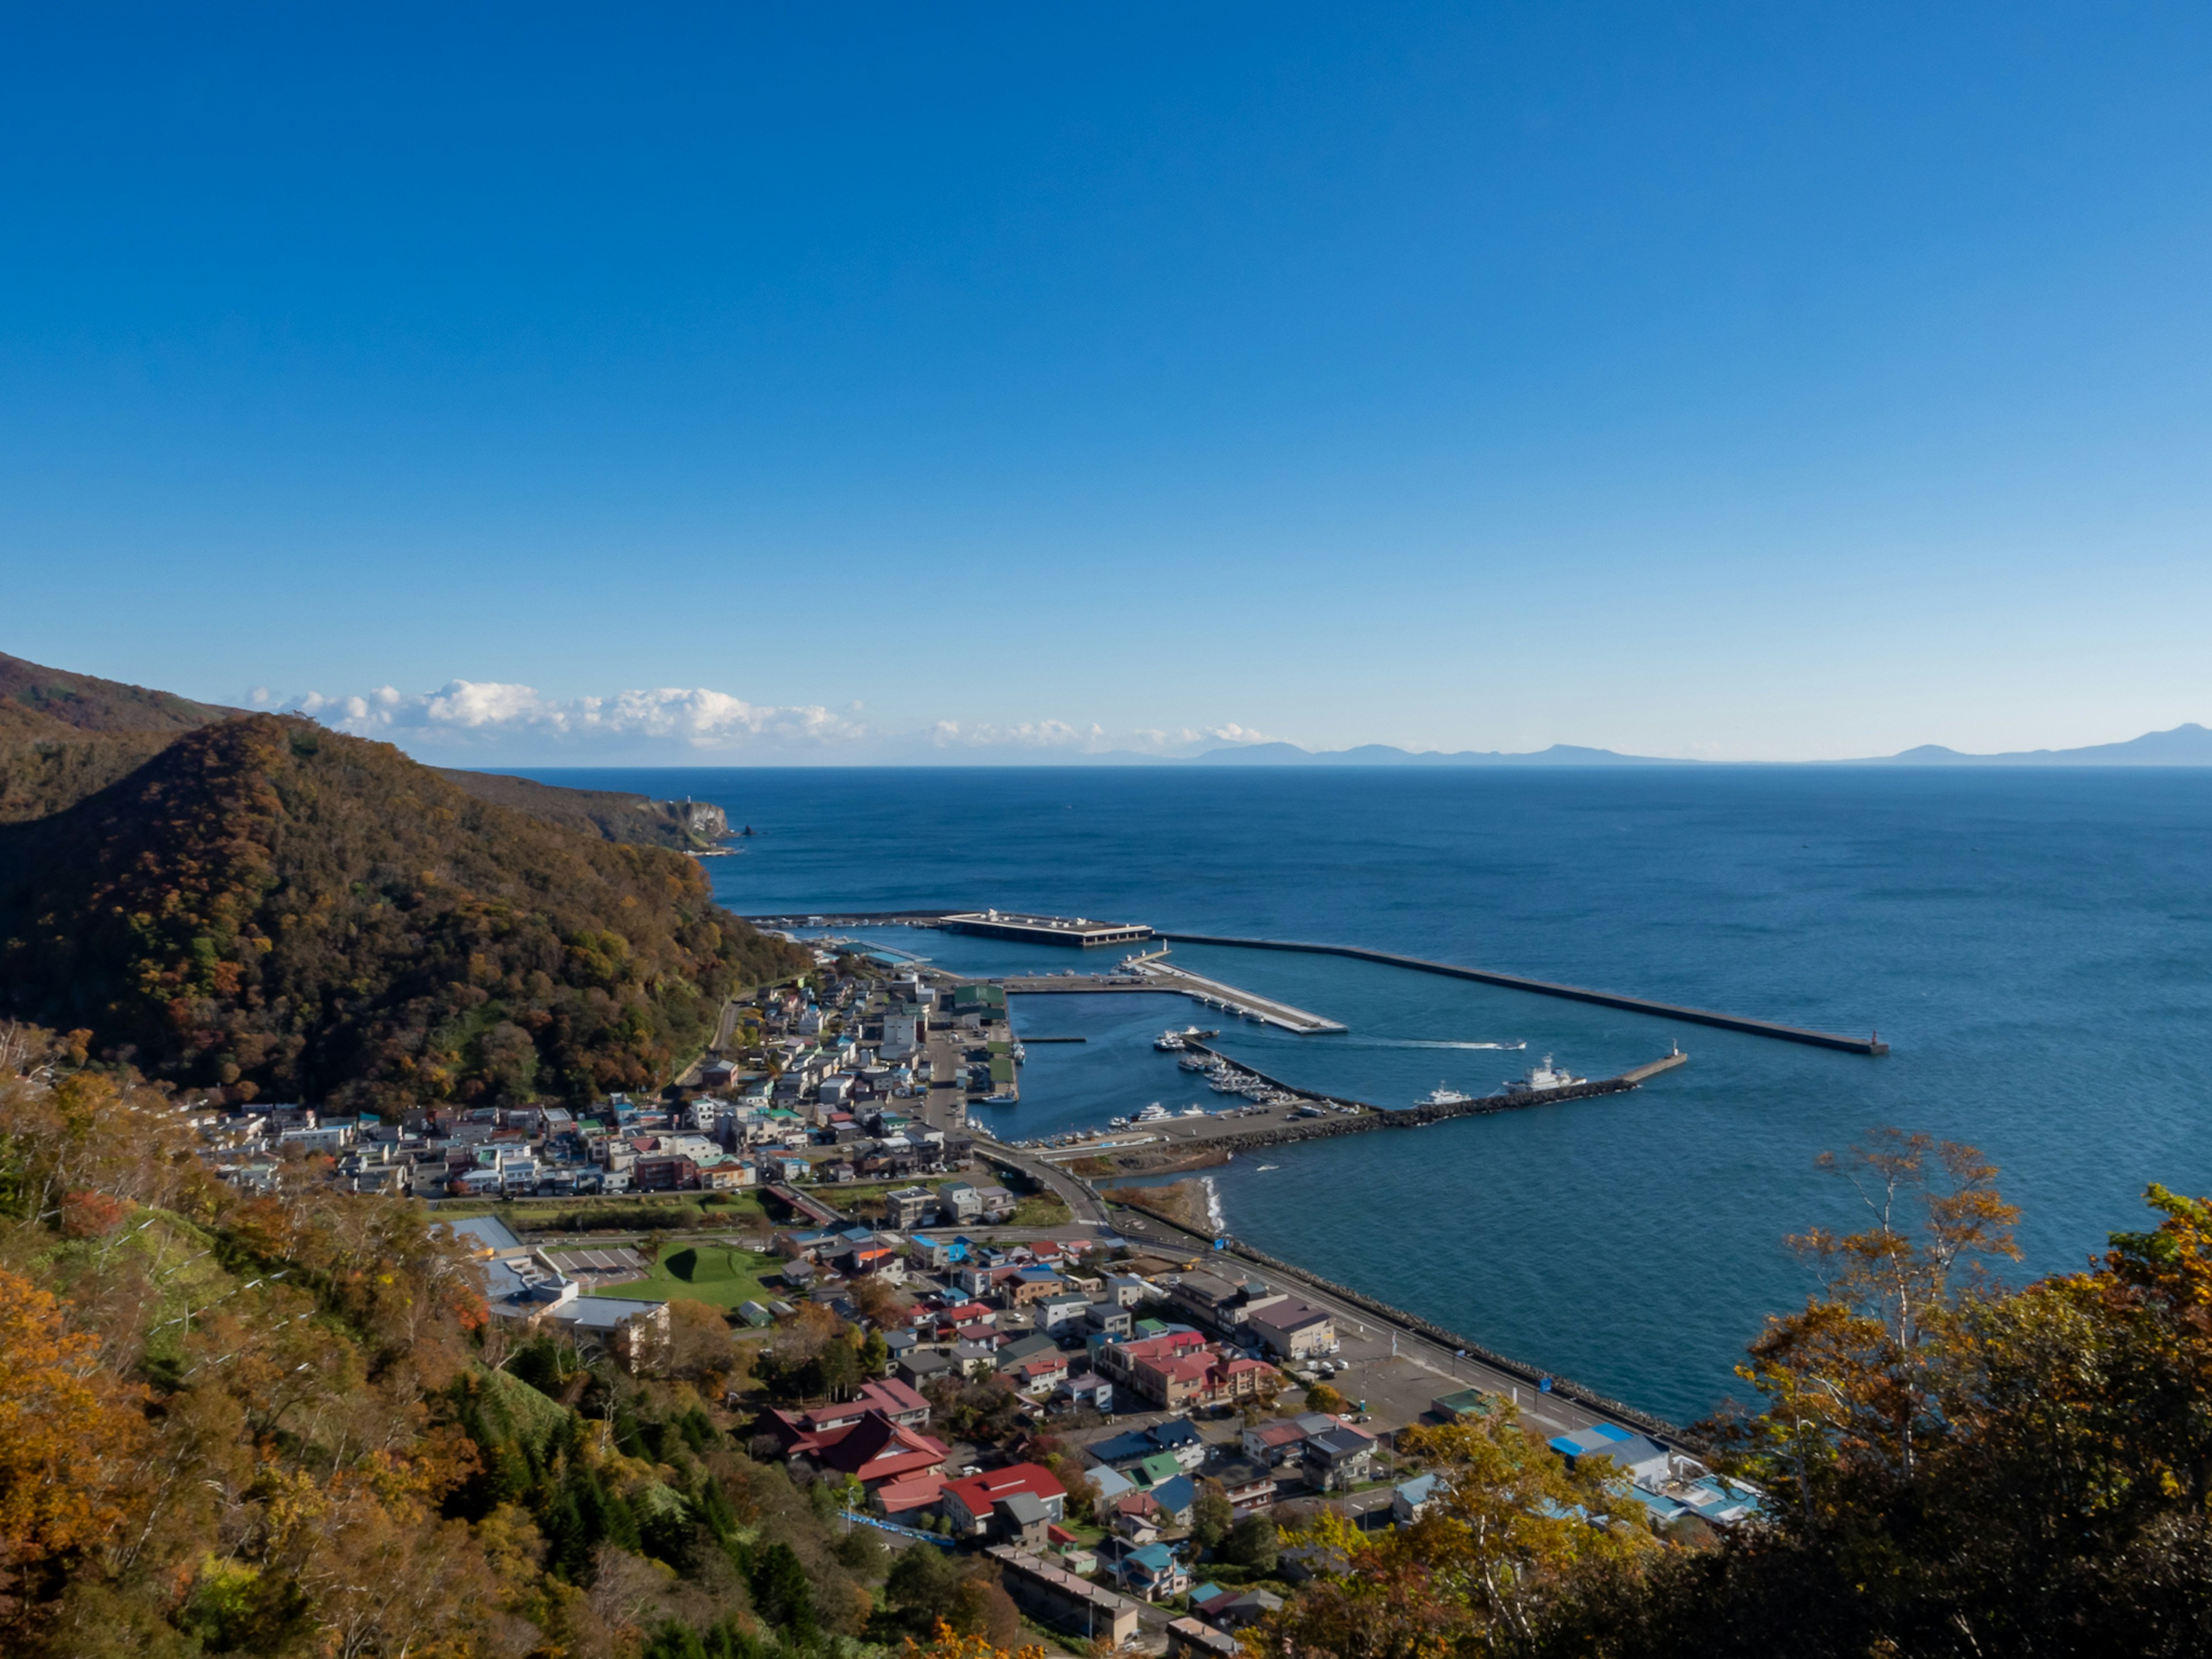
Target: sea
2035	946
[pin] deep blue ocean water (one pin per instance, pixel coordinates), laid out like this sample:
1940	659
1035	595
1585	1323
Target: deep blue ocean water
2035	946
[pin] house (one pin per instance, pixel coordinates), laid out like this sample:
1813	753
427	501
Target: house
906	1207
1235	1610
1291	1329
1019	1348
1060	1311
1177	1440
1043	1371
875	1449
1412	1499
923	1365
1020	1519
1249	1486
1194	1638
1057	1597
1339	1456
996	1203
959	1202
1127	1290
1153	1572
1107	1318
1209	1299
895	1399
909	1500
1089	1392
1135	1517
1032	1285
968	1503
1641	1458
1174	1498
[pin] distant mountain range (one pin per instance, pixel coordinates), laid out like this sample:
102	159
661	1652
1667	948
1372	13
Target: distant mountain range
2188	745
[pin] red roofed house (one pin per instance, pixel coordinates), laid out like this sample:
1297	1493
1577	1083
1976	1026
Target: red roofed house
1042	1370
877	1437
968	1502
893	1398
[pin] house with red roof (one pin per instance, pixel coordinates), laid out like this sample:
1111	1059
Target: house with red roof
969	1504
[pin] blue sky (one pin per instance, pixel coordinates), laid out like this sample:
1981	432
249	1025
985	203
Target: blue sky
967	381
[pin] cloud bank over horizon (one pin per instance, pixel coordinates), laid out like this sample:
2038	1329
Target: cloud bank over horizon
491	722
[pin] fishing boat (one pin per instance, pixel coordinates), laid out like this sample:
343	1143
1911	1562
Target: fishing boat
1118	1122
1264	1168
1154	1113
1193	1062
1169	1043
1192	1110
1442	1096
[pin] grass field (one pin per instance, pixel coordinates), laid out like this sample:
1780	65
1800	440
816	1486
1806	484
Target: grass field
712	1274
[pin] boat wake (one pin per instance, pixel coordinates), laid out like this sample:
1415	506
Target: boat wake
1423	1042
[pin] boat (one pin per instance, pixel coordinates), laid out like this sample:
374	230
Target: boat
1193	1062
1441	1096
1154	1113
1264	1168
1004	1097
1169	1043
1539	1078
1118	1122
1192	1110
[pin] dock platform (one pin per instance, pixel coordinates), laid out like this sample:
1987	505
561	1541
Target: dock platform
1154	976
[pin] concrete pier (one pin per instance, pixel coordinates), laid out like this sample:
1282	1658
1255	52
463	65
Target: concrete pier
1157	976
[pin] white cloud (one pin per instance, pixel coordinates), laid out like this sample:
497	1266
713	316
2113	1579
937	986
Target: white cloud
494	722
480	713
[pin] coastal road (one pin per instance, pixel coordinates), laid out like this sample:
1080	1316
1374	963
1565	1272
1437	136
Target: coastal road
1395	1370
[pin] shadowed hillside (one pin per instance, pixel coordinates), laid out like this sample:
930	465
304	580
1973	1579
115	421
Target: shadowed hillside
64	736
614	814
271	907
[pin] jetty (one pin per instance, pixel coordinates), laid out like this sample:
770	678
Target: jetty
1871	1044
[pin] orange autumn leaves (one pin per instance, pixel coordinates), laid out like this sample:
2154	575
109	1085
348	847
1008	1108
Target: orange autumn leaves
67	1431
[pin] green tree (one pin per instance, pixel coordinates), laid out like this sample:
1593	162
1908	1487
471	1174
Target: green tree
1212	1515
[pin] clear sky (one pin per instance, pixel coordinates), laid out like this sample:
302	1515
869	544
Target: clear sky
1771	380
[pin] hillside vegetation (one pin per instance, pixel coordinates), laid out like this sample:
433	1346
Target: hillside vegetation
613	814
275	909
66	736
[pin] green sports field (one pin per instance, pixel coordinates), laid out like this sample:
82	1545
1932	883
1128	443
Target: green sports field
713	1273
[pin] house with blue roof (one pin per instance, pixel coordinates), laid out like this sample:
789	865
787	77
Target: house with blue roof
1412	1499
1153	1571
1175	1497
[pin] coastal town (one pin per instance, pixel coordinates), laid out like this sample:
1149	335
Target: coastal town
1116	1411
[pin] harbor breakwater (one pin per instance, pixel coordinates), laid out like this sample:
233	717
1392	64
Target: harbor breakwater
1361	1116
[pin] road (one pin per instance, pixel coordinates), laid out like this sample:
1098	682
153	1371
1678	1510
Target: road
1396	1370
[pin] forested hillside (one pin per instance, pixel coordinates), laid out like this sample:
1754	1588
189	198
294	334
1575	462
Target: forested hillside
281	1425
64	736
615	814
274	909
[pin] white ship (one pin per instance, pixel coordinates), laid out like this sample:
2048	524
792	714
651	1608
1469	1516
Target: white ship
1441	1096
1545	1076
1153	1114
1169	1043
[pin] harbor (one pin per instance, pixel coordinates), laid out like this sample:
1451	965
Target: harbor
1080	932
